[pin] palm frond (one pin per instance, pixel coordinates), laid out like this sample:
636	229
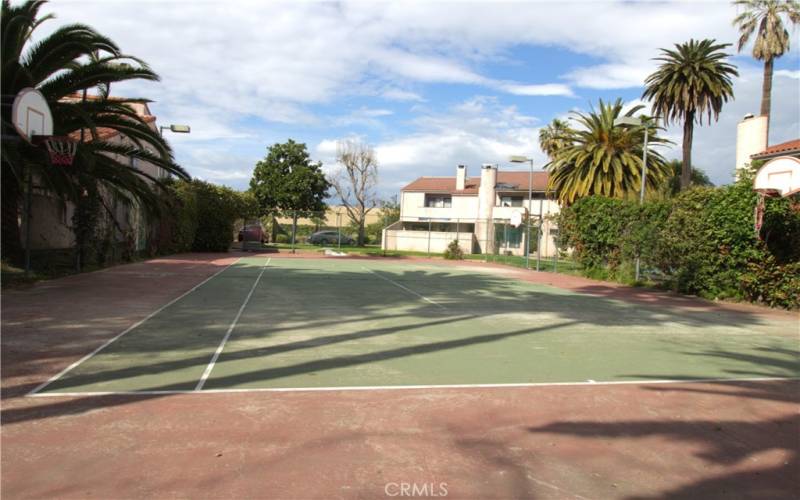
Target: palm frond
91	75
605	159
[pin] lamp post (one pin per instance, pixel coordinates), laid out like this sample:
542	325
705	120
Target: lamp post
177	129
525	159
637	121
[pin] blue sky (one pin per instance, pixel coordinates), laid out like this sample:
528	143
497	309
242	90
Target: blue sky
430	85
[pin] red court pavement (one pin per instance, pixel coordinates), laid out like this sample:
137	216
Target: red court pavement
691	440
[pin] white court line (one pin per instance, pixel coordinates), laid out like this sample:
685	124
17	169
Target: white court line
132	327
426	299
411	387
221	346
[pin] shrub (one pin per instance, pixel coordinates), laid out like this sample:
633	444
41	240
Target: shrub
217	211
283	238
594	228
771	283
453	251
708	240
181	223
702	241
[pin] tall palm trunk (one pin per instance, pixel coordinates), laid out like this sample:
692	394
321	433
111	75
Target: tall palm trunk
766	92
11	193
686	168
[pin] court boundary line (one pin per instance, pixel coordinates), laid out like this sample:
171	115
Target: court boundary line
221	346
130	328
413	387
426	299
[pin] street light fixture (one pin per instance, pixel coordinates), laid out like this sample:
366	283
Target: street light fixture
178	129
525	159
637	121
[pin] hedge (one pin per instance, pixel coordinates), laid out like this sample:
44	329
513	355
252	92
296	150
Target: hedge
700	242
199	216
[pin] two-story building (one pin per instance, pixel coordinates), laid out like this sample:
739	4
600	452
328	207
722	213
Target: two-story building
481	213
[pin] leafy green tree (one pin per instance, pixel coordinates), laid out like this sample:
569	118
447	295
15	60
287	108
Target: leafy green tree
555	136
73	58
699	178
692	81
605	159
765	19
287	181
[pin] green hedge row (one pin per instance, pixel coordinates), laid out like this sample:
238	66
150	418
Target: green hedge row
199	216
700	242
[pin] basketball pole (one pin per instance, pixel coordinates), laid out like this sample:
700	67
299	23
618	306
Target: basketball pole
539	235
28	204
528	232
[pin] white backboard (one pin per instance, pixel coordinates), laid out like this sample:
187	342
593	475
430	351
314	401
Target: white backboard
31	115
780	174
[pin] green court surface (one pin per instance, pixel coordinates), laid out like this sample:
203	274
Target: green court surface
319	323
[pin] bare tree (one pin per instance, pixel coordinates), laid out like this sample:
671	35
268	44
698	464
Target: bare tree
355	181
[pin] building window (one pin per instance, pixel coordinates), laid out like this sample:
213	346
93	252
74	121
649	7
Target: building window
511	201
438	201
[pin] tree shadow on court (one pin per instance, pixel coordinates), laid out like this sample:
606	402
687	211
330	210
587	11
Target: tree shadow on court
185	335
738	444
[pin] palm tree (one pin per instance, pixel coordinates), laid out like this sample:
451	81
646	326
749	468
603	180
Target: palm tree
605	159
554	136
72	59
692	80
772	39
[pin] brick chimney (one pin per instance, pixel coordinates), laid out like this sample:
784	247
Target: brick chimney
461	177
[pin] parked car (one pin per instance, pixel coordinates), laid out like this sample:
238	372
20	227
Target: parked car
252	232
329	238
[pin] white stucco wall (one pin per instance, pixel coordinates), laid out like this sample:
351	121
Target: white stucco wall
423	241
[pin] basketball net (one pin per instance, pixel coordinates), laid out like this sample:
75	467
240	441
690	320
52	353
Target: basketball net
759	214
61	149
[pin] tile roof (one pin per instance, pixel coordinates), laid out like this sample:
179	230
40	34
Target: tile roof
517	179
104	133
787	147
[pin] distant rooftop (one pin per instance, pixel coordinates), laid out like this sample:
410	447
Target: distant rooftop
510	181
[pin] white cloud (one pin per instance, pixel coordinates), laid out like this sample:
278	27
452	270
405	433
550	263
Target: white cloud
611	76
548	89
402	95
788	73
363	116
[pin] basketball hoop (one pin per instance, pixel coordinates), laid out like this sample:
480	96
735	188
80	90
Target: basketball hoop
33	121
61	149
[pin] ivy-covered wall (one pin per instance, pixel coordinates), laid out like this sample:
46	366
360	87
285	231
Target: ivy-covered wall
700	242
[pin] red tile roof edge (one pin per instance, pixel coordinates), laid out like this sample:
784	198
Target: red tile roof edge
784	147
